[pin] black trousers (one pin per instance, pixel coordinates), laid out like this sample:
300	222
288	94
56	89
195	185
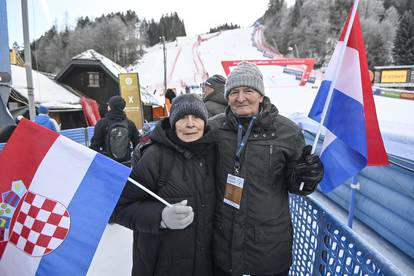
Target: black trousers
219	272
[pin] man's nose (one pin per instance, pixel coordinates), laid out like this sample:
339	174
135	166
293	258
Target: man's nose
240	97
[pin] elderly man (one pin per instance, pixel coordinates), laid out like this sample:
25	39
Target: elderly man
261	157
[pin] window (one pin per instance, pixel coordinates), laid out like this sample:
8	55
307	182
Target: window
93	79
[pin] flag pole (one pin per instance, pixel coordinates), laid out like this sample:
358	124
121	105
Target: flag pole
337	69
151	193
354	186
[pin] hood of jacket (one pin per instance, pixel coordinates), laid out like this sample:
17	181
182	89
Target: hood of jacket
116	115
216	96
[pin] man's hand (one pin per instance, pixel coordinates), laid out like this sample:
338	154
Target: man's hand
178	216
308	172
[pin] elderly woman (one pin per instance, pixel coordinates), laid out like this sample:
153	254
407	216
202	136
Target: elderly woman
178	165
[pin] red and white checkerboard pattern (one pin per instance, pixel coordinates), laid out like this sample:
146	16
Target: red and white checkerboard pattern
41	226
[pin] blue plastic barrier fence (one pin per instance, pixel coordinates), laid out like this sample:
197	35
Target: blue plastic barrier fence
324	246
76	134
384	201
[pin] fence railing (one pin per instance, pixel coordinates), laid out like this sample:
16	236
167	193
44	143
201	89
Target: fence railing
324	246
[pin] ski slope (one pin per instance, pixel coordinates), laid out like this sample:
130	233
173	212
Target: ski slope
191	59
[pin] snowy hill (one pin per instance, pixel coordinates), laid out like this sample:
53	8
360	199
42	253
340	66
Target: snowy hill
191	59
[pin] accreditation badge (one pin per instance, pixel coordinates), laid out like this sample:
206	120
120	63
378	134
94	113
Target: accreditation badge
234	190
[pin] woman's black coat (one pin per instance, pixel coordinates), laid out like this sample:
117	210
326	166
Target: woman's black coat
191	177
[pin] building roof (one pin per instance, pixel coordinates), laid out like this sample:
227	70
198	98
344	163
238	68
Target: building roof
93	57
46	91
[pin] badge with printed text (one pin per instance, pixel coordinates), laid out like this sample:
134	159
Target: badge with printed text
234	190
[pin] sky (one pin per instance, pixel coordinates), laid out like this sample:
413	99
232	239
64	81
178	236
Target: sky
199	16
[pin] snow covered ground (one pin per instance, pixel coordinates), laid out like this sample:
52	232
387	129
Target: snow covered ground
190	58
188	61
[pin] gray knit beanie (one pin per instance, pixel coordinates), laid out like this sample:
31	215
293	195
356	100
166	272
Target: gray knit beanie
245	74
187	104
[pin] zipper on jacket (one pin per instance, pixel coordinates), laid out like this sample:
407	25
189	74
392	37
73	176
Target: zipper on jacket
270	156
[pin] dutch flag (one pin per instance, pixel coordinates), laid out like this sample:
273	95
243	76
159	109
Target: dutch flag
66	194
352	139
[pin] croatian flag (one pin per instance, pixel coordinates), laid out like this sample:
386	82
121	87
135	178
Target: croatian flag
56	199
352	138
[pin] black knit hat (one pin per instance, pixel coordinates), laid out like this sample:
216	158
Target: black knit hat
116	103
187	104
216	82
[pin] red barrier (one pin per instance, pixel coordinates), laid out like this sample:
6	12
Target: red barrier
308	62
90	111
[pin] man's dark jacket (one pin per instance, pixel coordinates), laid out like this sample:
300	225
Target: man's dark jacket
215	102
191	176
99	139
257	238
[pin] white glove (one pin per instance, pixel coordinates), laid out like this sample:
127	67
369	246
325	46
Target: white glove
178	216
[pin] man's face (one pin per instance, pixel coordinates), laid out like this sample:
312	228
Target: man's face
244	101
190	128
207	90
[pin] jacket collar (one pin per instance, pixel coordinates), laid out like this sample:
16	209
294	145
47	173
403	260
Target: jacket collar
264	120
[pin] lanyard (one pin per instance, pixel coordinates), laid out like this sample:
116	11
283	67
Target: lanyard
241	143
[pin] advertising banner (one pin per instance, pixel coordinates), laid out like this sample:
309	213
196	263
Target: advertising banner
129	89
308	62
392	76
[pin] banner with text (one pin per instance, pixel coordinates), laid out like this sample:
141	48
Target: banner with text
129	89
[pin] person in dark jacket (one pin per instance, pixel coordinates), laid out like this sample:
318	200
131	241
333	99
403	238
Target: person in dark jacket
178	165
213	89
116	106
170	94
261	157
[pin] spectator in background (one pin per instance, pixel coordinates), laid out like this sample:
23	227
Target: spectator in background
115	135
43	119
170	94
213	91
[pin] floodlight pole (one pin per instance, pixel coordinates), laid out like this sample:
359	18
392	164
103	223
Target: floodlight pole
28	61
165	63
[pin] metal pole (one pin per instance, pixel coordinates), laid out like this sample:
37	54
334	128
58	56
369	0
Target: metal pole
151	193
6	118
354	187
165	63
297	52
28	61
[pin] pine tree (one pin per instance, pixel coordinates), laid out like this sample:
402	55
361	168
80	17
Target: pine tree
296	13
404	41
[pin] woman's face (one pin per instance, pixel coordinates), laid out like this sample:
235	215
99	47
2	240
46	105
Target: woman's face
190	128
